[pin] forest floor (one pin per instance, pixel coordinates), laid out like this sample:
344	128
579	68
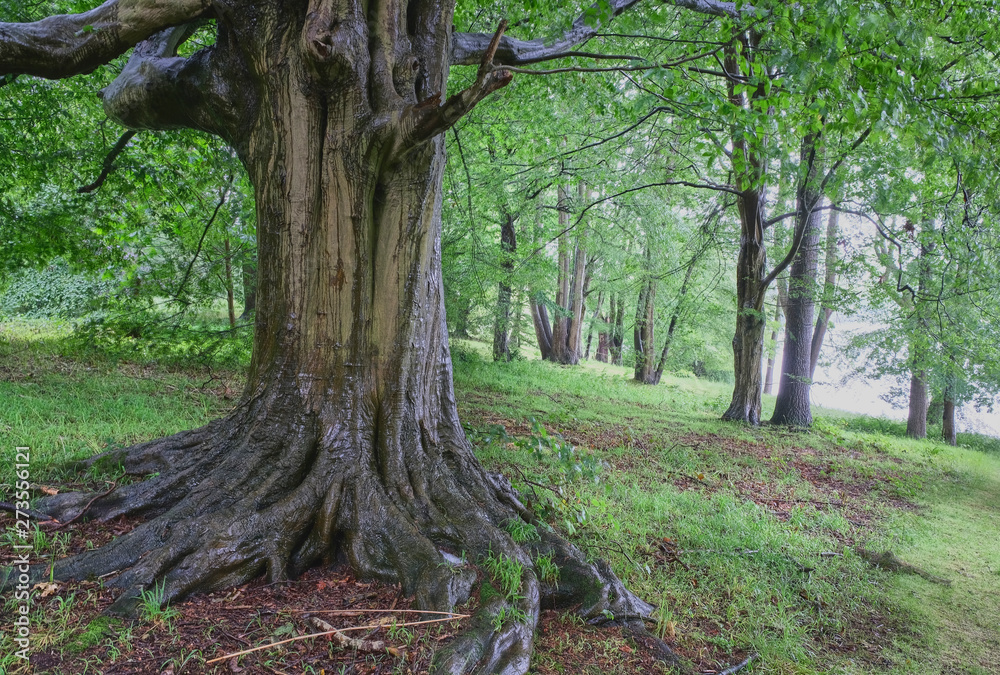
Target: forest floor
748	540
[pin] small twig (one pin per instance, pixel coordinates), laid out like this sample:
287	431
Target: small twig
355	612
340	630
795	501
86	508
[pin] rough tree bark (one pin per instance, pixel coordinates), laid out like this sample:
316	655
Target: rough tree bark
249	273
347	444
792	406
501	323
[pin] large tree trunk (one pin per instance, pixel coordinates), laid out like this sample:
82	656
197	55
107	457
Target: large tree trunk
501	323
829	290
347	443
748	341
792	406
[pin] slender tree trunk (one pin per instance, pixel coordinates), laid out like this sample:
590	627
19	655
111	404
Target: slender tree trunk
617	338
595	317
773	351
949	432
916	421
751	262
543	330
642	333
792	406
674	319
561	320
230	295
829	290
501	324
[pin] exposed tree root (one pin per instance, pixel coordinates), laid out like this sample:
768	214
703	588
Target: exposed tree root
227	506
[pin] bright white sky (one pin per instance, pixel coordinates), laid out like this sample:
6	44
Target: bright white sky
863	396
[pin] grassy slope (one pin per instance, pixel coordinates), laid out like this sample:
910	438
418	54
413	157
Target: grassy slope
695	514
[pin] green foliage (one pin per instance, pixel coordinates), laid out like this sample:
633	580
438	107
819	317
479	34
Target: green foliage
53	292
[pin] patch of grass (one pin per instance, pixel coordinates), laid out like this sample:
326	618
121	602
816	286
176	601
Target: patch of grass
506	574
154	609
741	536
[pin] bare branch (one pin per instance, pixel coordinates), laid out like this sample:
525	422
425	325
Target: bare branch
69	44
109	163
467	48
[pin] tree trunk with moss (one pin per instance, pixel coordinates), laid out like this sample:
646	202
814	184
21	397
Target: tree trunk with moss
347	444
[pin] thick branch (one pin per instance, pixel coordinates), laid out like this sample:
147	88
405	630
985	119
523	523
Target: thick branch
712	7
467	49
159	90
427	119
70	44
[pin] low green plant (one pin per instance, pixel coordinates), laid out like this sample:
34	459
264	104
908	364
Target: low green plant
153	607
547	569
506	573
508	613
521	531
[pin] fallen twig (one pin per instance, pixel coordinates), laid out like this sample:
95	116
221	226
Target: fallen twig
346	642
337	630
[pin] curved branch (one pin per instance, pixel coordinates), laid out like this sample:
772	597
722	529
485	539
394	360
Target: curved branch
467	49
109	163
70	44
159	90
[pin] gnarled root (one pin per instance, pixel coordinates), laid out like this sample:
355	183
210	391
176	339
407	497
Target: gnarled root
238	499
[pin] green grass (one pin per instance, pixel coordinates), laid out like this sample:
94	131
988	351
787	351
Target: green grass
687	509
